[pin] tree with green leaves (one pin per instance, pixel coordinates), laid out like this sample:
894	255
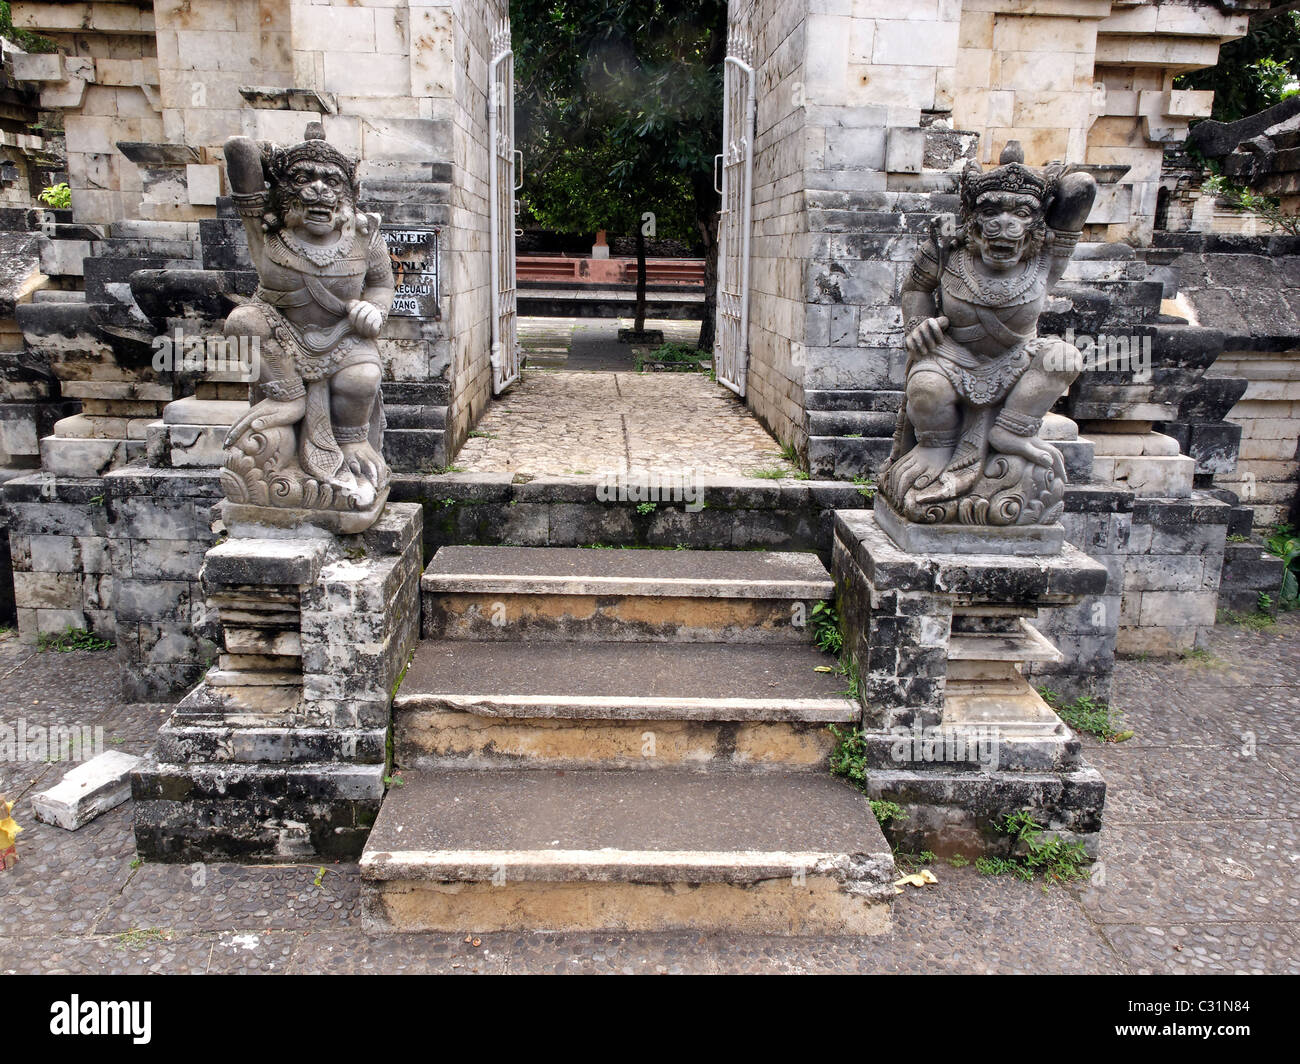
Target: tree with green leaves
1256	71
619	114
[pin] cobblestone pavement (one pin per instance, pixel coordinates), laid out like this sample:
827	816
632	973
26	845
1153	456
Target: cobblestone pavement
565	423
1201	848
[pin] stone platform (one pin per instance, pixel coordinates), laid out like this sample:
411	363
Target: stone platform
954	732
280	752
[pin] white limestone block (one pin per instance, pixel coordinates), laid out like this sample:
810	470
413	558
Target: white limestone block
203	183
95	787
38	66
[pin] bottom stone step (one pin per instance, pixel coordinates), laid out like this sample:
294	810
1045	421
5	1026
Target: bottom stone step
590	850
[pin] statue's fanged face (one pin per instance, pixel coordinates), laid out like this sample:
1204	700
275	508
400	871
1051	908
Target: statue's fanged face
317	197
1003	224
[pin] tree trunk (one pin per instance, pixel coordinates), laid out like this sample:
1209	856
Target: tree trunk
708	323
639	327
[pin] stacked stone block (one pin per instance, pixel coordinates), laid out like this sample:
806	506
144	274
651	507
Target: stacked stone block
953	731
281	752
58	538
160	525
1171	580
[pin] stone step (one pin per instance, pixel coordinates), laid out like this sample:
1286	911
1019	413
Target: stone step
571	593
852	423
846	457
761	853
618	704
414	449
403	416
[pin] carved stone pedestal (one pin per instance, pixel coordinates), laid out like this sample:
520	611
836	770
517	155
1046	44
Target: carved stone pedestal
280	752
955	733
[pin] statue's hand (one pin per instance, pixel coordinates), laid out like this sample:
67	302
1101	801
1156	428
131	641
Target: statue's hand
367	319
268	414
926	337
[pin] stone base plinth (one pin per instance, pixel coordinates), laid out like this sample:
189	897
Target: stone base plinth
244	516
955	734
280	752
1035	540
950	809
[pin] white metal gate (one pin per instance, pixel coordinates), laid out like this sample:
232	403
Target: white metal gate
503	182
731	343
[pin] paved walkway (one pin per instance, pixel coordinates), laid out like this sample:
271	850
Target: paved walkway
1201	845
565	423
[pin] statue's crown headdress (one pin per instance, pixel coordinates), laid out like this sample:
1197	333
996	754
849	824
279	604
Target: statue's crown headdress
313	148
1011	175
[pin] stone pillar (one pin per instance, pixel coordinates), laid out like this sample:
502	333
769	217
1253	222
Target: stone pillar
280	752
954	732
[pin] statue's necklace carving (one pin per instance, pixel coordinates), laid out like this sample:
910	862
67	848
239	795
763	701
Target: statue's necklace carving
998	291
320	256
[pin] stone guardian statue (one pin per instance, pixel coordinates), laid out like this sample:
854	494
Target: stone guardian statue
979	377
310	450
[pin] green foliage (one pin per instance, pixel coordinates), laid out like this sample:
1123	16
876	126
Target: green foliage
140	937
866	486
57	196
1037	854
1268	208
1199	656
1283	541
1257	621
828	633
886	811
25	39
73	639
1089	715
849	756
1254	72
958	860
644	508
675	351
619	108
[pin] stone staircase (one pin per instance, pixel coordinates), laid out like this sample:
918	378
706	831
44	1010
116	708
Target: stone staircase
597	739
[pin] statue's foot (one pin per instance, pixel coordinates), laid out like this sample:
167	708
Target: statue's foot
957	478
1030	448
918	468
365	463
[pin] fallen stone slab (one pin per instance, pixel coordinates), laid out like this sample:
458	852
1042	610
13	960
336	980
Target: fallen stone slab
95	787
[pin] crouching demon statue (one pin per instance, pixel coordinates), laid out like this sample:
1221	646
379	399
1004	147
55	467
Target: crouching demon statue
312	441
979	378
